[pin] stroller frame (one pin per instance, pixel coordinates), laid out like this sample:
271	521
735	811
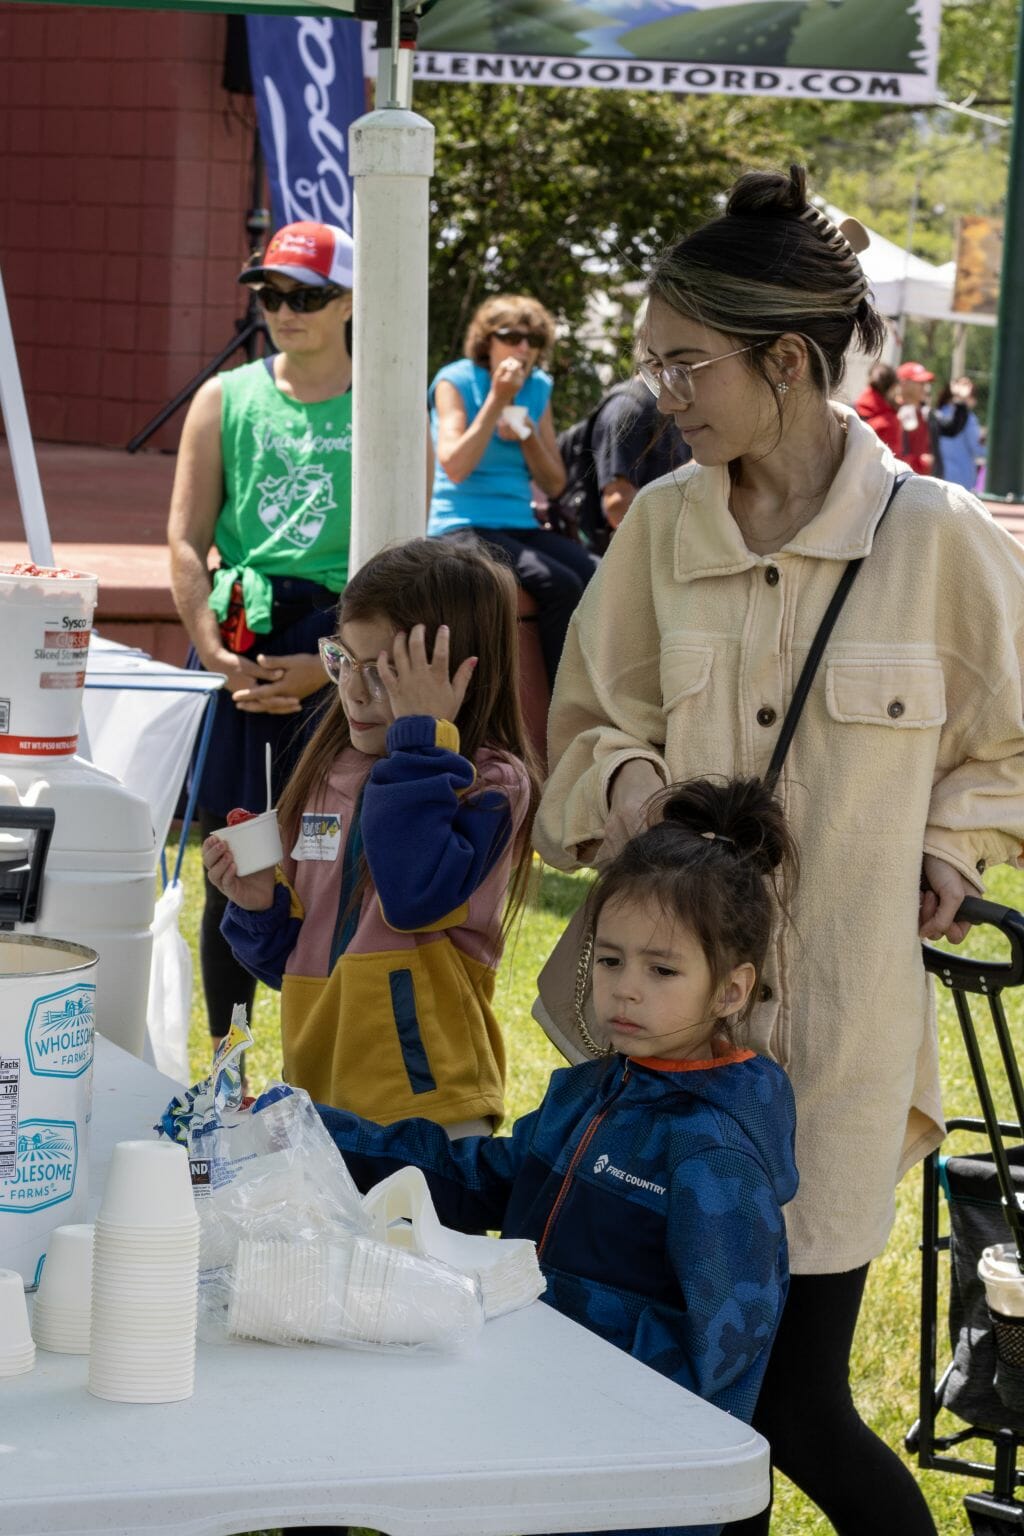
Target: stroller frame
998	1512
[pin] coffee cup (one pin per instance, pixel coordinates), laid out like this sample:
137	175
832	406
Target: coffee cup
1003	1281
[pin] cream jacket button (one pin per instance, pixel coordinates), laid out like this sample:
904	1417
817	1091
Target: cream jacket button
766	716
771	575
895	709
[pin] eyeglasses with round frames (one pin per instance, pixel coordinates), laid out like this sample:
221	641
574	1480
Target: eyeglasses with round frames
340	666
512	337
677	378
301	301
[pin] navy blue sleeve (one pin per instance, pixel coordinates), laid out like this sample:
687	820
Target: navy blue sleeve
429	842
262	941
470	1179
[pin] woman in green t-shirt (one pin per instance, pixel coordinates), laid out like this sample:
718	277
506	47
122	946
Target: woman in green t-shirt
264	480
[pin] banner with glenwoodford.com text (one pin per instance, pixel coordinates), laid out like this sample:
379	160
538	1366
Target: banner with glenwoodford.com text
865	50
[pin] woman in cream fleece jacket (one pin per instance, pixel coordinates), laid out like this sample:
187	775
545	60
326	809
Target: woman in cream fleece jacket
906	773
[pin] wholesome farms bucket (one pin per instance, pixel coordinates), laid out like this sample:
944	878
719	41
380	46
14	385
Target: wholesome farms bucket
45	623
47	993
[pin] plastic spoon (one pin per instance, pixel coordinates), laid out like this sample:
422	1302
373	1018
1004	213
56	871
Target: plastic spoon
270	797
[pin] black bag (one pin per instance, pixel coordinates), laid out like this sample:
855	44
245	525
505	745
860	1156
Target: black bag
579	505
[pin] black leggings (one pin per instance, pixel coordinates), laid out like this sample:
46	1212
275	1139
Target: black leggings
225	982
818	1439
554	570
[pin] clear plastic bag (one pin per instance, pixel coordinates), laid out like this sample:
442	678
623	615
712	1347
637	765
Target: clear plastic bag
287	1251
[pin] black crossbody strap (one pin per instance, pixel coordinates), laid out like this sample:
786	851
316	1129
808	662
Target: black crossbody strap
817	649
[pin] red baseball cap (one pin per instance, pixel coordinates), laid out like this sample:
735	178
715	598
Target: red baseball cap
914	371
314	254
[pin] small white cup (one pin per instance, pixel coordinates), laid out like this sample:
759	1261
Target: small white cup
148	1185
17	1350
1003	1281
66	1280
518	418
255	844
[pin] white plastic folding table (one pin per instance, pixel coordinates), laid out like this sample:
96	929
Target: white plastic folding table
542	1428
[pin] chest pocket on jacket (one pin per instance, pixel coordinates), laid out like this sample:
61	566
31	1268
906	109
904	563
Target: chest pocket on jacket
881	762
685	669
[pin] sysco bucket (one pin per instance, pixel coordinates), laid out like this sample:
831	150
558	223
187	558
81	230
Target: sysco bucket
47	1009
45	623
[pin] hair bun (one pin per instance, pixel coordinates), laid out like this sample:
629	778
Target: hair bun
769	195
743	814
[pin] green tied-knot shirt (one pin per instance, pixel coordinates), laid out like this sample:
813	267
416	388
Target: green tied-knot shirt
288	482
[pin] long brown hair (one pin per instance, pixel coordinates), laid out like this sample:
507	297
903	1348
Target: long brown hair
434	582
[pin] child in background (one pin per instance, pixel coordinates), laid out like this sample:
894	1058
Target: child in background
651	1180
406	819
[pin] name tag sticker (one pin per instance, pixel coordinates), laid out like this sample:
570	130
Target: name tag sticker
319	837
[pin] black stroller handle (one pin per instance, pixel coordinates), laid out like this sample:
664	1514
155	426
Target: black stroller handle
985	976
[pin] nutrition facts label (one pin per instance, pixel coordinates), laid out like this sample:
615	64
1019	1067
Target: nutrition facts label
10	1083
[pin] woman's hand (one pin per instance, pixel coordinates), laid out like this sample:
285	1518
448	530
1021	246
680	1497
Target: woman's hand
633	785
943	890
253	892
239	672
283	682
417	686
507	380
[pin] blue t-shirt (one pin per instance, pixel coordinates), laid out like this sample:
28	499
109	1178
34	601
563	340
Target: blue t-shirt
497	493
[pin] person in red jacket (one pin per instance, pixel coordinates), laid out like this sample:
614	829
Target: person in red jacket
877	406
914	380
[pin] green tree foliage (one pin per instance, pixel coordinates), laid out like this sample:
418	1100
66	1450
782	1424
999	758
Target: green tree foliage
566	194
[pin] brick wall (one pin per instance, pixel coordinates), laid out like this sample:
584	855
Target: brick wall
124	179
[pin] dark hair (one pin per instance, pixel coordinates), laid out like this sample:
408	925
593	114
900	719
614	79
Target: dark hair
773	264
882	377
499	311
434	582
720	858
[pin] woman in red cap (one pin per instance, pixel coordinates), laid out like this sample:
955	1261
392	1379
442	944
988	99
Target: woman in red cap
263	478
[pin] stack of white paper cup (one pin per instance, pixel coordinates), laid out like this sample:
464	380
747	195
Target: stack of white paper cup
145	1277
17	1351
61	1317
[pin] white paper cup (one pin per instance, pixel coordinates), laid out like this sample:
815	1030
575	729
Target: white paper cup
255	844
67	1273
1003	1281
15	1333
517	417
148	1186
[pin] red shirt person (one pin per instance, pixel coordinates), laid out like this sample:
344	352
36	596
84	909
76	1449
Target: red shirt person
877	406
914	380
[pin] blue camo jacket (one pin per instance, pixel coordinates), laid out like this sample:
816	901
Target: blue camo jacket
653	1191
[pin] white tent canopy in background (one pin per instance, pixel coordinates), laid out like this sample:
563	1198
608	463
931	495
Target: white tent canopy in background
905	284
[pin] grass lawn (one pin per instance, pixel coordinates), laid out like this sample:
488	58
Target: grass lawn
885	1354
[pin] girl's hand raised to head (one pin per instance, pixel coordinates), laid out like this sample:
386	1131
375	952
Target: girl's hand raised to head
417	686
253	892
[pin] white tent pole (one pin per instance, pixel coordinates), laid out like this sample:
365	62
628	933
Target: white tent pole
391	155
19	437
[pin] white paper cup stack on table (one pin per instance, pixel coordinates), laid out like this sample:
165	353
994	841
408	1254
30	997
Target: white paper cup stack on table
61	1317
145	1277
518	418
17	1351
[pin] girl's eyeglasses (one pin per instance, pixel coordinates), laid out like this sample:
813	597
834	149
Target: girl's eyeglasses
512	337
677	378
340	666
302	301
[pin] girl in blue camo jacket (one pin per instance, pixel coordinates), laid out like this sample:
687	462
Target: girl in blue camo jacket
652	1178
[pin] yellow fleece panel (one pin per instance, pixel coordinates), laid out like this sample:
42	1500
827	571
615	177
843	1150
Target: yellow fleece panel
342	1043
295	907
446	735
453	919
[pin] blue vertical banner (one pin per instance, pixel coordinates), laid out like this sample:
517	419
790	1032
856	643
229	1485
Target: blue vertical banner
307	76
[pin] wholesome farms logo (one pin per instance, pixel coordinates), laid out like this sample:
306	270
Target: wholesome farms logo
47	1166
59	1035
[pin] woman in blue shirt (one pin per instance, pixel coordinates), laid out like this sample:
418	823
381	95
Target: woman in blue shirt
490	417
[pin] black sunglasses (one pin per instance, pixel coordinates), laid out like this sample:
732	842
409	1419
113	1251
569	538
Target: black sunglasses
512	337
302	301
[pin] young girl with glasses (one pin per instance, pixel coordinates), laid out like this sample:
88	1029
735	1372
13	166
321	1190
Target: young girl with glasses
652	1178
405	823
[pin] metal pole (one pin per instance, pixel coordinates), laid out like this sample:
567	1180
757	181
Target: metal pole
1004	474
